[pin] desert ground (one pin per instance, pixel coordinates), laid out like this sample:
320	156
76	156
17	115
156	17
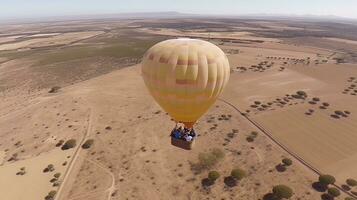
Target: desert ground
76	121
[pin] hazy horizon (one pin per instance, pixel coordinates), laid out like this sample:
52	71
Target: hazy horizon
18	9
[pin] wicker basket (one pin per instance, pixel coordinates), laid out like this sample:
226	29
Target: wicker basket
182	143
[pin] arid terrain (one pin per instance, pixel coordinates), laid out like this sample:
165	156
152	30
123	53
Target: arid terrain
77	123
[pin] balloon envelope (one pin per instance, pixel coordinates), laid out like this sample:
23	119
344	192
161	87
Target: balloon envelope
185	76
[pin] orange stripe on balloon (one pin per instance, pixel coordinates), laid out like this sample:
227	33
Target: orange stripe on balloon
185	82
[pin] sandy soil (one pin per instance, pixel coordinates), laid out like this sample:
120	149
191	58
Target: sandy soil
343	40
35	183
61	39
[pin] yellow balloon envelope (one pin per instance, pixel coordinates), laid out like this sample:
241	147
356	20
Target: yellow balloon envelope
185	76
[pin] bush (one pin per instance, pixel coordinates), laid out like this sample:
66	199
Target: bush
238	173
351	182
254	133
51	195
50	167
208	160
57	175
287	161
334	192
257	102
87	144
54	89
316	99
301	93
327	179
69	144
338	112
325	104
59	143
282	191
250	138
213	175
349	198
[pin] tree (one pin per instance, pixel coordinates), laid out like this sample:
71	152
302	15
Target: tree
238	173
287	161
282	191
69	144
334	192
213	175
326	179
87	144
351	182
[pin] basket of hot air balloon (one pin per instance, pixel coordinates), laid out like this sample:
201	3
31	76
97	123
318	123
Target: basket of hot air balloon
185	77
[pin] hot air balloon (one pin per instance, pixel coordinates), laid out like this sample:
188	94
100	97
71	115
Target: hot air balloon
185	77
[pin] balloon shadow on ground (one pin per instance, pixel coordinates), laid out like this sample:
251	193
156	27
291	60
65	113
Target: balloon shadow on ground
319	187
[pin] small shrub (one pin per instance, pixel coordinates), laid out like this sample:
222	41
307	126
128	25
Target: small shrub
282	191
351	182
333	192
238	173
301	93
325	104
213	175
51	195
57	175
59	143
54	89
338	112
69	144
327	179
257	102
208	160
287	161
250	138
87	144
254	133
316	99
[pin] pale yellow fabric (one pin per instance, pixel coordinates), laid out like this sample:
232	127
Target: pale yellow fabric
185	76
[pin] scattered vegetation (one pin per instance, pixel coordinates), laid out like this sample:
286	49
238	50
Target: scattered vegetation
252	136
22	171
49	168
208	160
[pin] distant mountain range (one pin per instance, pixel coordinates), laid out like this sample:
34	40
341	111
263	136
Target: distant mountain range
178	15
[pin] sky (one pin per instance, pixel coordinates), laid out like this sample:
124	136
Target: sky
43	8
